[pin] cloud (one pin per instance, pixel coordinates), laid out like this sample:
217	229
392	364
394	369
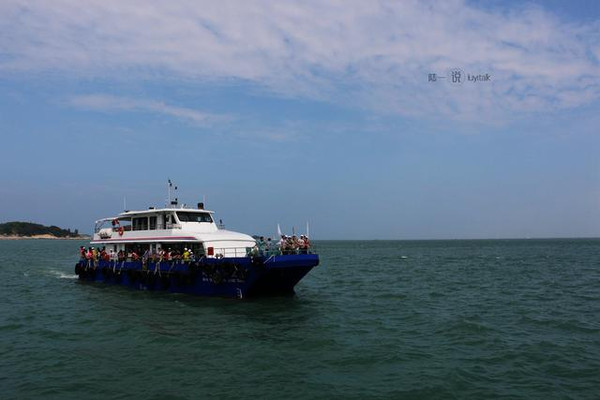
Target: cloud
283	131
102	102
374	55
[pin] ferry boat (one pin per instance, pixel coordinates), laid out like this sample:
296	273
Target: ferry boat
182	249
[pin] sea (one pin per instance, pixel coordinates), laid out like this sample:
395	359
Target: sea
455	319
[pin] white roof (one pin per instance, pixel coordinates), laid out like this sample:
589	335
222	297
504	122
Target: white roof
129	214
161	210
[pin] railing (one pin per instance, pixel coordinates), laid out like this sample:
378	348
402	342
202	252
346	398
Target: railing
231	252
219	252
257	251
276	251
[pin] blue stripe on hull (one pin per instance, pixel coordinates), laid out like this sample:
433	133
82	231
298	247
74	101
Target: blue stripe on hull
227	277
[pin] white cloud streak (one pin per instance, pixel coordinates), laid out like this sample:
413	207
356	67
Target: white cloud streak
102	102
361	53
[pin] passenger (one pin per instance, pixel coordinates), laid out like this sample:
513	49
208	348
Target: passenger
112	255
90	254
134	256
186	255
289	245
282	244
306	243
146	256
94	258
261	245
82	252
301	245
269	247
295	243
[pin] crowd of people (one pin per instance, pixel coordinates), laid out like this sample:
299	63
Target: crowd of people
286	245
264	247
96	254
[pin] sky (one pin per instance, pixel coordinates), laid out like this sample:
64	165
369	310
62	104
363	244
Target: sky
367	119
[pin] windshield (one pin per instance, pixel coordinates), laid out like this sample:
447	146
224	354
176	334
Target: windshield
194	217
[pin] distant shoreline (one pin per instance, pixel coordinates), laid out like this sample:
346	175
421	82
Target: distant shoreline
44	236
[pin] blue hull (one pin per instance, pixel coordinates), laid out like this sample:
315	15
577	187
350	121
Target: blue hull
227	277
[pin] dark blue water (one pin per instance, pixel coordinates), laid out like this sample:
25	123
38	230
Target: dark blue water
382	319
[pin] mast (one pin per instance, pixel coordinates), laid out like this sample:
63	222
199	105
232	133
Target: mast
169	187
169	184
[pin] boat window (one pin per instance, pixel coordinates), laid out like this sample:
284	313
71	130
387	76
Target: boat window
153	223
140	224
194	217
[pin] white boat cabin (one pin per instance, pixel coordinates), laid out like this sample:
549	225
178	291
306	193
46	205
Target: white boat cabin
168	228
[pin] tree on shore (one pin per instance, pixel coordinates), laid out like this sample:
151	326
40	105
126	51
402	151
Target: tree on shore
30	229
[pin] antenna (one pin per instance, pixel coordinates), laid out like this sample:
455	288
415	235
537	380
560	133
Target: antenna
169	184
169	187
124	203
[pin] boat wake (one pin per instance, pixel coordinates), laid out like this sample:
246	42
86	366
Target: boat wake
62	275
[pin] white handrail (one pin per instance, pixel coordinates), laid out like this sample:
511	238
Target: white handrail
231	251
